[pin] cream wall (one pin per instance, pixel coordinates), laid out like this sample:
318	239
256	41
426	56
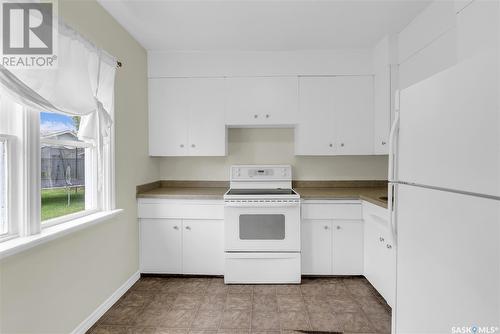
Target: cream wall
53	287
272	146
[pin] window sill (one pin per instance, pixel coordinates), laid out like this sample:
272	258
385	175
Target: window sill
17	245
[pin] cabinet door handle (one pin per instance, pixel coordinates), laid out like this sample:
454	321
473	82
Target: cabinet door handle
181	145
193	145
383	143
267	115
342	145
255	116
176	227
331	145
389	246
326	227
381	239
188	228
338	227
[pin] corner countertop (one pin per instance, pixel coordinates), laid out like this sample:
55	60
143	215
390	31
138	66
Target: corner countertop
369	194
370	191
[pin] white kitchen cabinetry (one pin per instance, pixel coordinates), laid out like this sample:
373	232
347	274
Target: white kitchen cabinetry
203	247
379	253
261	101
347	247
385	85
332	238
181	237
161	245
316	253
186	117
335	116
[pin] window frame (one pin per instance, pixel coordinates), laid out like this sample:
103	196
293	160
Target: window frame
21	127
12	227
91	191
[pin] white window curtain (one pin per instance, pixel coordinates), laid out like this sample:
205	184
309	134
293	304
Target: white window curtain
81	85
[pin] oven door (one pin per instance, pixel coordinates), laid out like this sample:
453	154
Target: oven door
262	227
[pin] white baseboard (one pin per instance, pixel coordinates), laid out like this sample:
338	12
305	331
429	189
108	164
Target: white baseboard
98	313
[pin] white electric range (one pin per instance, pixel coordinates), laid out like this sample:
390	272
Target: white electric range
262	226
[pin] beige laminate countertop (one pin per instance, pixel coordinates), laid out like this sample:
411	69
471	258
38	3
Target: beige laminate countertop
184	193
370	194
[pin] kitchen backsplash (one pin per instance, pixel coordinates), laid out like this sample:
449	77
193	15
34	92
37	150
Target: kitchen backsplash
272	146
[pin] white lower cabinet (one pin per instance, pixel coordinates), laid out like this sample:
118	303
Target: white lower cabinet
332	238
203	247
316	239
176	246
181	236
161	245
379	252
347	248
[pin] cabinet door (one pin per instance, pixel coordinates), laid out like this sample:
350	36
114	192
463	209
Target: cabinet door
207	130
372	261
316	238
314	134
262	101
354	114
160	246
203	247
382	110
388	271
347	248
379	260
168	116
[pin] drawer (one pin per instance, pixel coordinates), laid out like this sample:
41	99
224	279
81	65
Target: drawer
262	268
180	209
328	210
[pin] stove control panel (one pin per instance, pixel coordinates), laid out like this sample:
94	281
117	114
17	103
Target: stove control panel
262	173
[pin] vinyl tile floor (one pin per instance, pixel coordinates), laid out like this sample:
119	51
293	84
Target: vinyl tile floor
183	305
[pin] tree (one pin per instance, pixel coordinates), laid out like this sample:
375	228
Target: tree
76	122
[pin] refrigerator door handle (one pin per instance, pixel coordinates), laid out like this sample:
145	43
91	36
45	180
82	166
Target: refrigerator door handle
392	145
392	211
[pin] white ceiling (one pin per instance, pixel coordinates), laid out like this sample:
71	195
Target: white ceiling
261	25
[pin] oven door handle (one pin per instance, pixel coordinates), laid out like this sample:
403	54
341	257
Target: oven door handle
262	204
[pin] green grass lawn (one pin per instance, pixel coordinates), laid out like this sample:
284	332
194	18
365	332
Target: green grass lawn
55	202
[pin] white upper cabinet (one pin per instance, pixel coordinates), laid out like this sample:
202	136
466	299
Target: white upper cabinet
261	101
335	116
385	85
314	135
354	115
186	117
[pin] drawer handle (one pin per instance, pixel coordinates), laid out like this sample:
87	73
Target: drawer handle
176	227
326	227
188	228
255	116
381	239
338	227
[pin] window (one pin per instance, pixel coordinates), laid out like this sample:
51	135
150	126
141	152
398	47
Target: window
4	227
66	169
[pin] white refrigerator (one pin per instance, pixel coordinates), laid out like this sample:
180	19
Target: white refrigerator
444	171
